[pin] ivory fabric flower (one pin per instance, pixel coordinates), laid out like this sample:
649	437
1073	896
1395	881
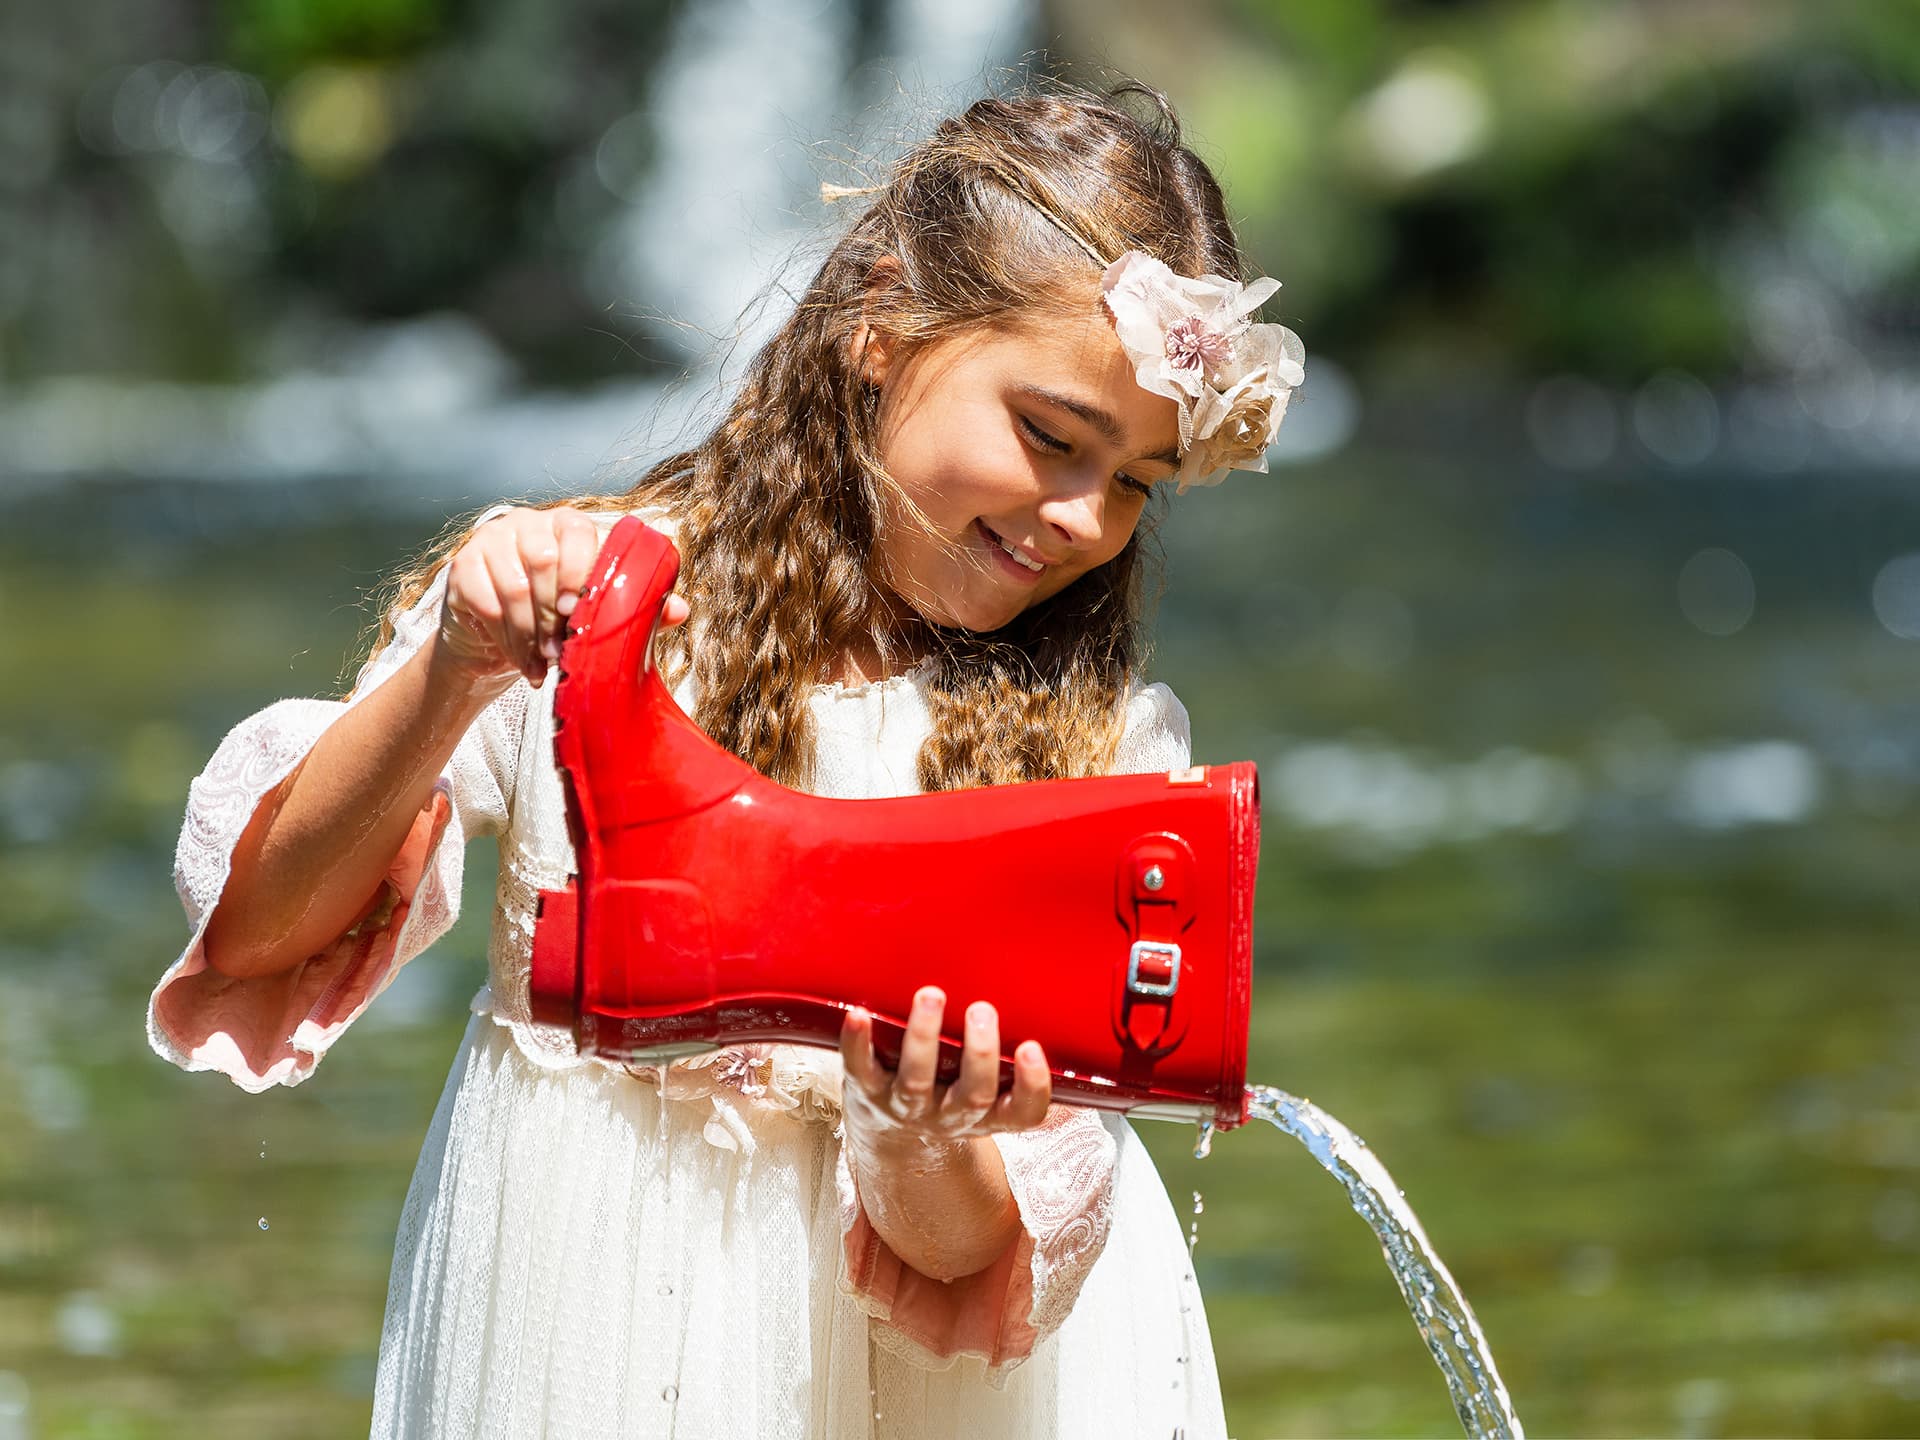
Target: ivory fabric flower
742	1078
1192	341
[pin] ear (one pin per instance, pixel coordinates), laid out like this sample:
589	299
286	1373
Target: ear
872	354
872	349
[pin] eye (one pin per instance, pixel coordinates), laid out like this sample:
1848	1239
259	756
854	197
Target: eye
1061	447
1042	438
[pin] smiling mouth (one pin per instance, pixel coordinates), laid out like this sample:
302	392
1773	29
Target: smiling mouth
1032	567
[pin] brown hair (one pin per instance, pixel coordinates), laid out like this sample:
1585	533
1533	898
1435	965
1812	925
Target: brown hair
993	216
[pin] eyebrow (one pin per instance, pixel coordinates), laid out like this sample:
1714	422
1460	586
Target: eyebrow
1099	419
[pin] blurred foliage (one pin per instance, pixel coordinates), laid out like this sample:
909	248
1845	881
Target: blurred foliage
1447	189
1534	187
278	38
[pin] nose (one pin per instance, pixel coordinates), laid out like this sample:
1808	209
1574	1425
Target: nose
1076	511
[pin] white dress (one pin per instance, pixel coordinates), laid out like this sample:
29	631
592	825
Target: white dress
585	1252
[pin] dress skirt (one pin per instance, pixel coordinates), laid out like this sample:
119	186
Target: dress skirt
576	1259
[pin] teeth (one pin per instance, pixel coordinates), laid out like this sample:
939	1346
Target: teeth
1030	564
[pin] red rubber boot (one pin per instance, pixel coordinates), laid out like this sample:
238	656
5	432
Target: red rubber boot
1110	919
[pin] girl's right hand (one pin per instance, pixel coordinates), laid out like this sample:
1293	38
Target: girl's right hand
509	591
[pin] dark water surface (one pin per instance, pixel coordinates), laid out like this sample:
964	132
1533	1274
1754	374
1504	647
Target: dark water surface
1599	924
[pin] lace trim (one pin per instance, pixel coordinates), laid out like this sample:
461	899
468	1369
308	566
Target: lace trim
915	674
1062	1181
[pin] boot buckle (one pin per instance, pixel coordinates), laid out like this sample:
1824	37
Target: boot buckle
1153	968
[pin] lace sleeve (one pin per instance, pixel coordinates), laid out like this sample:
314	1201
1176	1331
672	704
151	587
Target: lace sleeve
273	1029
1061	1175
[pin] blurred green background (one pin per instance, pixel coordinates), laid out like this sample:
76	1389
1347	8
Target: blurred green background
1575	633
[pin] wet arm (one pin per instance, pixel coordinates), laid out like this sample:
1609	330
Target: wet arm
312	859
943	1207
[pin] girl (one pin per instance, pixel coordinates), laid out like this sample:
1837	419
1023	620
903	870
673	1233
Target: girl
911	555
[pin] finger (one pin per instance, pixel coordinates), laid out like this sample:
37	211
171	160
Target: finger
470	617
973	1092
914	1080
674	612
515	596
856	1051
539	551
579	544
471	606
1025	1105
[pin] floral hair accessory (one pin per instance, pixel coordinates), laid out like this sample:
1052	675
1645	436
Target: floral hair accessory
1191	341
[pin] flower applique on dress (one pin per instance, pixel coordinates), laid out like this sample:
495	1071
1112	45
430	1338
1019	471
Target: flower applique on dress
800	1080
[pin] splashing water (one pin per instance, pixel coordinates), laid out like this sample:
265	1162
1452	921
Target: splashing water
1445	1319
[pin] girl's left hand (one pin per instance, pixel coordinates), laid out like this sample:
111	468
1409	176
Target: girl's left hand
908	1103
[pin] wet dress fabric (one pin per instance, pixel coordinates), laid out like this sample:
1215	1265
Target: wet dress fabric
589	1250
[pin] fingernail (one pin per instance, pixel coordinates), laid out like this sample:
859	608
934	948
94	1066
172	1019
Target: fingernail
566	603
978	1012
550	648
1029	1052
929	997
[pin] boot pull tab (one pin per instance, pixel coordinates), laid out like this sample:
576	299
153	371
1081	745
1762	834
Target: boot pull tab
1155	894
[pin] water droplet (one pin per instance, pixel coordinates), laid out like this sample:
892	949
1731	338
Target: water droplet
1203	1142
263	1222
670	1394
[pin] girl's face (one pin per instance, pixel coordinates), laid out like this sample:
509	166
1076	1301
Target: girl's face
1037	440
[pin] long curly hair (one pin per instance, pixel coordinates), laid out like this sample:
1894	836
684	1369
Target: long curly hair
989	222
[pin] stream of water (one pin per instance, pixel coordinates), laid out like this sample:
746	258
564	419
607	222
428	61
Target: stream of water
1445	1318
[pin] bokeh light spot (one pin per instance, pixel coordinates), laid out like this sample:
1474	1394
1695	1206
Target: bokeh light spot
1896	596
1716	592
1430	113
336	121
1677	418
